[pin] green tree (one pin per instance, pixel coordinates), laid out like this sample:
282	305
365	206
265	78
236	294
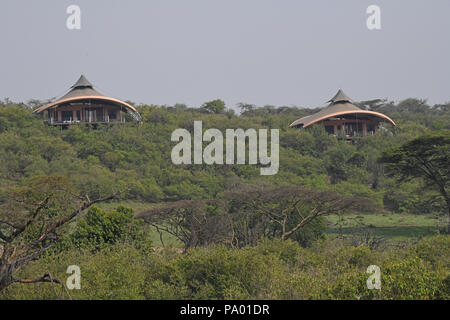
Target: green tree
32	220
99	228
215	106
426	157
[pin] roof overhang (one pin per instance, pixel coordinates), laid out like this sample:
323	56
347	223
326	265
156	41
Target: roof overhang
73	99
377	114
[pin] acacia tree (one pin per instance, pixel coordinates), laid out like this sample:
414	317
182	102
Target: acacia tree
426	157
31	221
193	222
242	217
289	209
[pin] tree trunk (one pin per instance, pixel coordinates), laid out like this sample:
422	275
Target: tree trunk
6	278
448	217
447	201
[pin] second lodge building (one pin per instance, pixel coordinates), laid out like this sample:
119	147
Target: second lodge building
342	116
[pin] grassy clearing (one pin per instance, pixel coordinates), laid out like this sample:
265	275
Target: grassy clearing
167	238
390	226
138	207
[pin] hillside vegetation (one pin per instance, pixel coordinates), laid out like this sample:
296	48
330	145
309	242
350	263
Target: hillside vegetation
225	231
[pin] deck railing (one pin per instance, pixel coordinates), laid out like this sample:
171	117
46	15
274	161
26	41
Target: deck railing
75	121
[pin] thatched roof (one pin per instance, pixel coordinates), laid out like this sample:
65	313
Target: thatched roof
340	96
339	105
83	90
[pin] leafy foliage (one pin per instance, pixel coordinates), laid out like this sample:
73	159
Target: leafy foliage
273	269
98	229
426	157
234	247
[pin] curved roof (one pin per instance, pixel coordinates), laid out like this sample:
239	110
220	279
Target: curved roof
340	96
84	90
340	105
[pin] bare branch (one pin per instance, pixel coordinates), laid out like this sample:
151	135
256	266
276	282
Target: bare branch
45	278
64	220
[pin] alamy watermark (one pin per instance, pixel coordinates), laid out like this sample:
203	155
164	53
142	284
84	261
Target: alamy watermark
74	280
213	153
373	22
374	281
73	22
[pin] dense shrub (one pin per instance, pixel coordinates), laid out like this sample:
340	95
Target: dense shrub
274	269
112	248
137	157
99	229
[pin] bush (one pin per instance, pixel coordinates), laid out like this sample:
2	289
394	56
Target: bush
98	229
273	269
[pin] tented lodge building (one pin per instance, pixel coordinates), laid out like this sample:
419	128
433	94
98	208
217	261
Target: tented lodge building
84	104
342	116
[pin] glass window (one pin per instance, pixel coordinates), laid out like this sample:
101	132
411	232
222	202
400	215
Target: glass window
112	115
329	129
67	115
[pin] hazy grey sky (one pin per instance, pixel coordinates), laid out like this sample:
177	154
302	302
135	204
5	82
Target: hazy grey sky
284	52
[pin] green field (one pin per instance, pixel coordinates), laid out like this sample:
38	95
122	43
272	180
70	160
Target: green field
389	226
397	227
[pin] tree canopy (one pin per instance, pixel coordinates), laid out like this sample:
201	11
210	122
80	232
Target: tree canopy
426	157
